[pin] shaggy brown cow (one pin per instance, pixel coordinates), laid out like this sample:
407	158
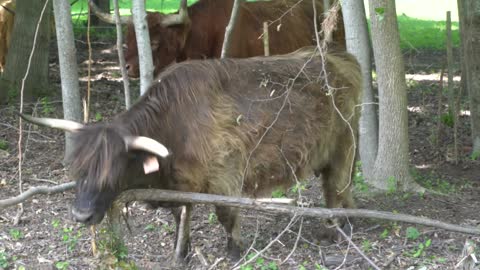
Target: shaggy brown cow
197	32
231	127
7	16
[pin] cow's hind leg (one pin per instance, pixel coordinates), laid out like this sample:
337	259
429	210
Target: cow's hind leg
182	235
337	182
228	217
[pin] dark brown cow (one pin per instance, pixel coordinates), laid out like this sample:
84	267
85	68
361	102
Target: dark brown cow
197	32
231	127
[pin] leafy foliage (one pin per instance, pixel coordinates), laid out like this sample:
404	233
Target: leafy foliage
3	145
412	233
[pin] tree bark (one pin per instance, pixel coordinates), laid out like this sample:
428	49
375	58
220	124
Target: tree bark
143	44
229	29
358	44
27	15
121	56
72	109
469	14
391	169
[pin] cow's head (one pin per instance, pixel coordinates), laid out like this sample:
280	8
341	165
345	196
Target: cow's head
105	162
168	33
167	40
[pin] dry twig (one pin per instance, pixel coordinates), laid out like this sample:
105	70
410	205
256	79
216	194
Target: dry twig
356	247
35	191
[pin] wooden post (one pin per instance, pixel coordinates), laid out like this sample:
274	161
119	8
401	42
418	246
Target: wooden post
451	94
266	43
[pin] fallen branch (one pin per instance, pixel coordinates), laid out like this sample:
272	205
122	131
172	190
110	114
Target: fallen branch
246	203
35	191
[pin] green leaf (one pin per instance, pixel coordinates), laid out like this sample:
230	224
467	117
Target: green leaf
384	234
260	261
412	233
380	11
428	243
272	266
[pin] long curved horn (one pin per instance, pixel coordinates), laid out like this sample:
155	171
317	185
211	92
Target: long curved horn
146	144
180	18
65	125
108	18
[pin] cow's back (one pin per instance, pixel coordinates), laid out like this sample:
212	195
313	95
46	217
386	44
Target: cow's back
249	125
291	27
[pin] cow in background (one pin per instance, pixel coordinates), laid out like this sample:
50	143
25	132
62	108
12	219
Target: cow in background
197	32
7	16
228	127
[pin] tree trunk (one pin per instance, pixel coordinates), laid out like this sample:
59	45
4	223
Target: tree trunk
104	6
391	169
229	29
26	19
143	44
121	56
469	14
358	44
68	66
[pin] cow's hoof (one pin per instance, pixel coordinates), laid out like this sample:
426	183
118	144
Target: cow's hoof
234	250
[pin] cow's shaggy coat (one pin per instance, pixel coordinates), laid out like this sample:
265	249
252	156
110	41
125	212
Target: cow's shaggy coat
232	127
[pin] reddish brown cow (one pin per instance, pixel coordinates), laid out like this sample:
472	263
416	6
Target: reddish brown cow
231	127
200	31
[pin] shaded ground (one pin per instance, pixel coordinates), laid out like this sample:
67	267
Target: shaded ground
47	238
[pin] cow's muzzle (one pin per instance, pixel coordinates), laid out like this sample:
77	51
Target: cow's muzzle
86	216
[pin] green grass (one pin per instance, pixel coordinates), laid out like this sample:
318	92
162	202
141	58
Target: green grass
425	34
421	23
166	6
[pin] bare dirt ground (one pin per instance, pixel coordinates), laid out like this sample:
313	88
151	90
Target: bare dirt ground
46	238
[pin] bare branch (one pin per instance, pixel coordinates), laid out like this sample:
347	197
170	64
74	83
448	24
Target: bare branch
35	191
247	203
356	248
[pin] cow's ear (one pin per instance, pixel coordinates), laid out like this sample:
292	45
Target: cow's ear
150	164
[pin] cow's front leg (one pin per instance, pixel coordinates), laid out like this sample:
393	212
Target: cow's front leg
228	217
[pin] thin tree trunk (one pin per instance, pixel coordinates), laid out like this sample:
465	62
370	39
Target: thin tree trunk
143	44
471	45
451	92
121	56
27	15
229	29
358	43
68	67
391	169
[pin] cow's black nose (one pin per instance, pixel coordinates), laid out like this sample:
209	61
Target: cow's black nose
83	216
127	66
